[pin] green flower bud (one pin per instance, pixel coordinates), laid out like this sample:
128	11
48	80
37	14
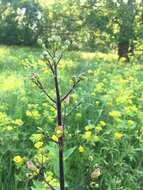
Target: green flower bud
39	42
45	54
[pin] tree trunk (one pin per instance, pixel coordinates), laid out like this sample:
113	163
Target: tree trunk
123	49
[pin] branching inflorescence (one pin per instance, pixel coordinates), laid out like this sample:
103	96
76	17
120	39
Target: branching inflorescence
52	59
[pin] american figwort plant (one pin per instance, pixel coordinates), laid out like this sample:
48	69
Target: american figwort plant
52	58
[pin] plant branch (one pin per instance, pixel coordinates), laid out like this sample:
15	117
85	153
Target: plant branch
71	90
40	85
73	109
50	53
52	188
50	66
60	57
54	51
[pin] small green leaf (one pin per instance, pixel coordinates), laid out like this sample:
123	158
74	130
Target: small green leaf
68	152
38	186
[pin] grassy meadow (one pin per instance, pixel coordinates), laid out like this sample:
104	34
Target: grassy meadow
105	130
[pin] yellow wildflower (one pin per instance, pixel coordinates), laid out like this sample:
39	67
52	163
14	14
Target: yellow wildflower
88	127
41	158
118	135
52	110
102	123
38	145
123	81
87	135
115	114
81	149
54	138
59	131
50	178
35	114
18	159
37	172
37	137
18	122
99	87
131	109
131	122
98	128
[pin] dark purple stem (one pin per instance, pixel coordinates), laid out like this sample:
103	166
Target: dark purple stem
59	119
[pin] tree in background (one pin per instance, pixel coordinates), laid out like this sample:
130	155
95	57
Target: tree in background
19	22
126	35
91	25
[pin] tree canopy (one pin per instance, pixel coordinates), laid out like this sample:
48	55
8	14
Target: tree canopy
87	24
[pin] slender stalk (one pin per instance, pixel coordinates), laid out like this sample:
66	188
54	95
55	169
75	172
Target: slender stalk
70	91
52	63
59	119
40	85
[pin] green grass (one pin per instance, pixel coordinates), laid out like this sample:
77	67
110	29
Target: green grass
108	87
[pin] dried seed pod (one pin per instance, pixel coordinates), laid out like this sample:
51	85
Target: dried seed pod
95	174
31	166
34	76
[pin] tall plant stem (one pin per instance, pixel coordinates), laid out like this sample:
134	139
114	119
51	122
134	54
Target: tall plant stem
59	120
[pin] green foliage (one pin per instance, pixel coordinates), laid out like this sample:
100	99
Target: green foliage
105	130
19	22
88	25
37	186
